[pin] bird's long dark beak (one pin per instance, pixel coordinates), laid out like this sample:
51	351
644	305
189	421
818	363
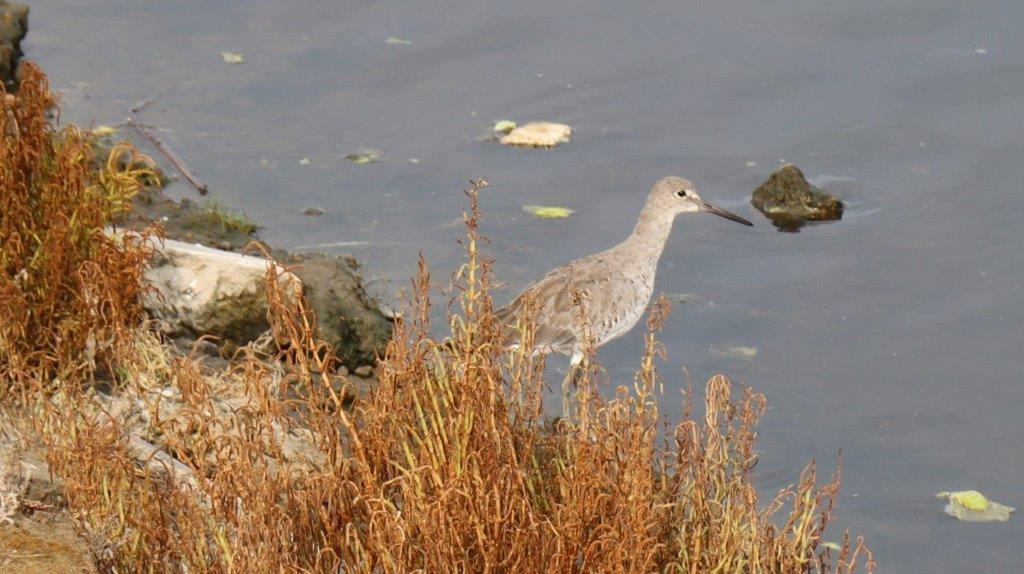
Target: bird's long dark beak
712	208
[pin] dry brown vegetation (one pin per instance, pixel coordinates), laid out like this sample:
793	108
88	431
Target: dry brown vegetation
448	465
66	287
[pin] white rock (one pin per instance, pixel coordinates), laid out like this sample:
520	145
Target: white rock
204	291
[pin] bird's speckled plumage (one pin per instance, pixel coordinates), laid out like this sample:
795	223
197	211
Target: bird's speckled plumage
615	286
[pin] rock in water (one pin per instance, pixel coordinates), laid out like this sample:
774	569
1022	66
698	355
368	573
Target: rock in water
789	200
13	27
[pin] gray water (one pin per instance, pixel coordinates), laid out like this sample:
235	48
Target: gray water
895	334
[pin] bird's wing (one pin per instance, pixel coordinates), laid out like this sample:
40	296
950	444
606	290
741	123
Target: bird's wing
555	300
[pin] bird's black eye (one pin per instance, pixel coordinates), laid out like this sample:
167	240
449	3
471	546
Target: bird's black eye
681	193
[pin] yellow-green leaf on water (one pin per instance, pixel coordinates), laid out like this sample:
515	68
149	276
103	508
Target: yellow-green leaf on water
548	212
832	546
100	131
232	57
304	161
734	352
364	156
973	506
504	126
970	499
692	299
394	41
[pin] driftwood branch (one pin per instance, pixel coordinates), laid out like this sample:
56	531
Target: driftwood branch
168	152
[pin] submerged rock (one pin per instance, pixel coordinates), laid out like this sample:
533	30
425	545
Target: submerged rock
13	27
789	200
205	291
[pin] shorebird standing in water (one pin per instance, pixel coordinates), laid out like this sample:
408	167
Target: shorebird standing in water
615	286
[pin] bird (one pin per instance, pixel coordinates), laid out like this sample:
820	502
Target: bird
614	287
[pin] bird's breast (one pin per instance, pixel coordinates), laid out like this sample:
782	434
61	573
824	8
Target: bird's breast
624	306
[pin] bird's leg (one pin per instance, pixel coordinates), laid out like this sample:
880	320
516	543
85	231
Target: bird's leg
568	384
567	394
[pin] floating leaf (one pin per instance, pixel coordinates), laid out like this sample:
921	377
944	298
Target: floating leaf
692	299
100	131
832	546
364	156
973	506
304	161
398	41
313	212
734	352
970	499
504	126
232	57
538	134
548	212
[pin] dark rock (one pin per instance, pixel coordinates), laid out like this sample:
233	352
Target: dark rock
350	320
13	27
789	200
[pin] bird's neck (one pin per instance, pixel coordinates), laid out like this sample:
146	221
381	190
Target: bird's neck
651	233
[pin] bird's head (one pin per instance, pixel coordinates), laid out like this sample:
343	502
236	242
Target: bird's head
676	195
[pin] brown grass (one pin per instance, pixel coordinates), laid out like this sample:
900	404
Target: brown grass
448	465
66	287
